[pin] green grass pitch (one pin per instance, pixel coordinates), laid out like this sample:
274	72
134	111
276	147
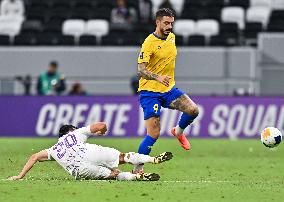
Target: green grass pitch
214	170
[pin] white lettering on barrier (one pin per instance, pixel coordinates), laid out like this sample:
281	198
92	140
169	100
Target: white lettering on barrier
78	117
120	119
46	114
269	118
109	111
280	122
235	121
241	119
94	114
253	119
51	117
218	124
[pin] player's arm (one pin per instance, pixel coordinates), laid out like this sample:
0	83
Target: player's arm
146	74
40	156
98	128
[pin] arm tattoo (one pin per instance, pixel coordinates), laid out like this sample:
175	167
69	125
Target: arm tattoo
146	74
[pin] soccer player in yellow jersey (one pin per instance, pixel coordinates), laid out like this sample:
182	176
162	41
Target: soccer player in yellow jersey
156	65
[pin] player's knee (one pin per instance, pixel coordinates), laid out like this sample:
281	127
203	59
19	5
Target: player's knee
195	111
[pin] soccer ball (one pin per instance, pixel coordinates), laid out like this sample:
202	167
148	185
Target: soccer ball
271	137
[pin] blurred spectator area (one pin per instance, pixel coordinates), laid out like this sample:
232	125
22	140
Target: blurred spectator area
199	71
88	22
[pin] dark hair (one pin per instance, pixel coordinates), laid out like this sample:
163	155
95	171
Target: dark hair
65	129
164	12
53	64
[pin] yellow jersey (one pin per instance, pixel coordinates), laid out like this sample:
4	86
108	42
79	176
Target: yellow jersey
160	54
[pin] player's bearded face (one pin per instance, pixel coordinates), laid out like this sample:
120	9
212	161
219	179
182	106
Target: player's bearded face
166	25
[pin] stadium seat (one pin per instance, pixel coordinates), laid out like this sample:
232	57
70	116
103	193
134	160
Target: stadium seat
37	15
277	26
239	3
66	40
196	40
204	3
251	32
115	39
145	28
98	28
31	26
81	13
234	14
197	13
278	4
277	15
102	13
177	5
207	28
4	40
258	14
10	27
184	28
60	5
38	5
58	17
230	31
25	40
73	27
105	3
46	39
218	41
252	29
52	27
83	4
156	4
87	40
180	40
262	3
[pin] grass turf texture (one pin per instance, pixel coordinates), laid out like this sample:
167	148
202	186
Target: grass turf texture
214	170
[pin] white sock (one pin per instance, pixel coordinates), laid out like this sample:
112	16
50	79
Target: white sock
179	130
126	176
135	158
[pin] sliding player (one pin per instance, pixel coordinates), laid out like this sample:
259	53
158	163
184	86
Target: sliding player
91	161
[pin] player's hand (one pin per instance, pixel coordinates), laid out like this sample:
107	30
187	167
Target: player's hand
164	79
102	131
14	178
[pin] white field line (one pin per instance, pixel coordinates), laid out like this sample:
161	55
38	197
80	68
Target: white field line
163	181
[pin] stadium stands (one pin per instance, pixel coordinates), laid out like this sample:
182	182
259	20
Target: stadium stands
214	19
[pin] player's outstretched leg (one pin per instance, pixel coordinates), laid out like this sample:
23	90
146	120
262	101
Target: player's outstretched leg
190	112
127	176
138	159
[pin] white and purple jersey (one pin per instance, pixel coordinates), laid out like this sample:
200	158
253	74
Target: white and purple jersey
83	160
71	149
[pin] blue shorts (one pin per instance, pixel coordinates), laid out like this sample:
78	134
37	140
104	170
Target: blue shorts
151	102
